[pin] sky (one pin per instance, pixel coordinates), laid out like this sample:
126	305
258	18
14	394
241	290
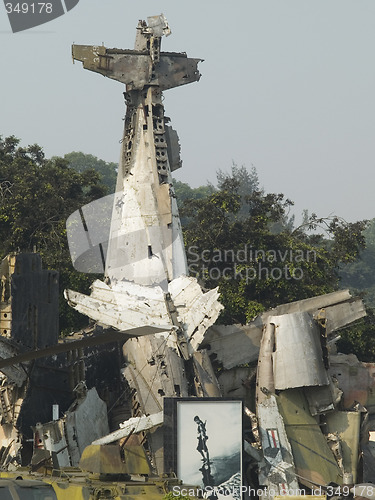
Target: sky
287	86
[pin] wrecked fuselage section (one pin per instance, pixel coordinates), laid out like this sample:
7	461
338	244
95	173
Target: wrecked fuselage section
315	435
308	409
285	359
145	268
42	376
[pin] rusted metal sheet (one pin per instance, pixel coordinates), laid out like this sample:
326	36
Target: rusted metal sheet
85	421
28	301
153	370
28	321
10	445
28	309
14	373
138	69
173	148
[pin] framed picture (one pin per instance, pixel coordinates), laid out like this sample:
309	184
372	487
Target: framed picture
203	443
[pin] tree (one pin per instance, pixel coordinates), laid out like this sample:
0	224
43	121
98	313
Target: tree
185	192
36	198
237	237
232	243
81	162
359	276
240	178
359	338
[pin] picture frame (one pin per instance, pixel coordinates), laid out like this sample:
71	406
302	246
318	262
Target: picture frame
203	444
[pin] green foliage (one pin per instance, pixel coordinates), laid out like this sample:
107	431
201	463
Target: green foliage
241	182
184	192
359	338
246	245
359	276
237	237
82	162
36	198
370	234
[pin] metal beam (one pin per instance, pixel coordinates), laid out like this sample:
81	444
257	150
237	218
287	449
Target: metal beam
105	338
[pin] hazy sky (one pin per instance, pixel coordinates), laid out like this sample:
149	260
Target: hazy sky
287	86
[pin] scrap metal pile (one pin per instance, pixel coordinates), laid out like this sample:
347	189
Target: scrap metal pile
309	410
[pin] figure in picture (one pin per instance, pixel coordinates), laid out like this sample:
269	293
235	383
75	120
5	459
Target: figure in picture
202	438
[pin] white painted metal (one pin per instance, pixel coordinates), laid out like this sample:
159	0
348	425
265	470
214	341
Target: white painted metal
298	359
141	246
55	412
122	306
310	305
196	310
85	420
265	375
53	440
132	426
277	470
340	315
127	305
239	344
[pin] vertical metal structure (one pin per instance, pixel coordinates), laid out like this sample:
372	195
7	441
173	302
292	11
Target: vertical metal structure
145	243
